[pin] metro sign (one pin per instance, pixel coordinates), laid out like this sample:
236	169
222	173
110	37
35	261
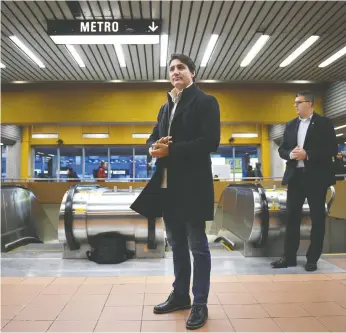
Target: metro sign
104	31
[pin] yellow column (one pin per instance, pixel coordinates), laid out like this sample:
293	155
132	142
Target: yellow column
25	153
265	151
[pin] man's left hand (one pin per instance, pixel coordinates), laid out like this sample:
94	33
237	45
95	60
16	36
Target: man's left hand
299	154
160	150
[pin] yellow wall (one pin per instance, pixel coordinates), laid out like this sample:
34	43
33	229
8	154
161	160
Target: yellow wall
106	104
122	134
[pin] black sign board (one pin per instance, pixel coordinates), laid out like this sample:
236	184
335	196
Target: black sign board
103	27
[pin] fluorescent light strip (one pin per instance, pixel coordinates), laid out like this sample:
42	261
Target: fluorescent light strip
334	57
140	135
164	50
75	55
120	55
302	48
104	39
339	127
95	136
45	136
340	134
209	49
245	135
2	65
27	51
254	50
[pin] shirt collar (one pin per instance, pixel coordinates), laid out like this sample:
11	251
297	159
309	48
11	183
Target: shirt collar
176	94
306	119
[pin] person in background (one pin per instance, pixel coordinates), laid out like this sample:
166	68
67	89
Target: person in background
258	172
250	173
72	175
101	174
308	145
339	166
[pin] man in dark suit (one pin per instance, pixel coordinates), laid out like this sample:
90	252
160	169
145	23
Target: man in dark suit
181	189
309	144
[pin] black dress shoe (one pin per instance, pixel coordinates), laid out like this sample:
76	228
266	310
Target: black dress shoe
284	263
173	303
198	317
310	266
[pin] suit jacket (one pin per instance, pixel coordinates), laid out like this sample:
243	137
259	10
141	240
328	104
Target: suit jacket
320	145
195	132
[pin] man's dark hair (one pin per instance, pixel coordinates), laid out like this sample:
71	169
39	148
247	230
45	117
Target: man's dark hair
185	60
308	95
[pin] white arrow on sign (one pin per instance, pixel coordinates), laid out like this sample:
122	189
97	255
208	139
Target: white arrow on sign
153	27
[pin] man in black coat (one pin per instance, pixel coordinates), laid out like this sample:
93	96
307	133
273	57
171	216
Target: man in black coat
309	144
181	189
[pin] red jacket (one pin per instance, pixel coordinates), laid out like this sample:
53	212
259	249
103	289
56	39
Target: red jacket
101	173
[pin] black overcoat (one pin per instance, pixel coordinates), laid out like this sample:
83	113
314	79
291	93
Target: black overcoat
195	132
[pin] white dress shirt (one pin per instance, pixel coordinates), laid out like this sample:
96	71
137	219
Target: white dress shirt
302	130
176	95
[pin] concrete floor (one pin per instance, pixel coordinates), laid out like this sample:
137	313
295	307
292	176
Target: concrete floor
46	260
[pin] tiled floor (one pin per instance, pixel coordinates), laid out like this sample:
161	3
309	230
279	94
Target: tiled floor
241	303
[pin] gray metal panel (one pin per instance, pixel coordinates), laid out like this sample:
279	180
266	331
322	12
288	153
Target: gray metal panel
335	100
156	50
189	25
204	30
325	26
148	49
11	132
222	19
278	31
244	36
276	131
166	21
236	17
27	33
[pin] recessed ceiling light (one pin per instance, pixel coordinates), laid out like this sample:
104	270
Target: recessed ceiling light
75	55
244	135
120	55
333	58
95	135
164	50
140	135
27	51
302	48
209	49
254	50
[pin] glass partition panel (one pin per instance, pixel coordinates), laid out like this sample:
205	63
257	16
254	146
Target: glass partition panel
121	163
246	158
222	162
93	158
144	163
71	162
45	162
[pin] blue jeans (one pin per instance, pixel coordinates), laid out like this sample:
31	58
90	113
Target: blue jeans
183	236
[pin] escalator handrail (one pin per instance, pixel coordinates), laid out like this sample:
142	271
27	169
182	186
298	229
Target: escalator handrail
265	216
68	219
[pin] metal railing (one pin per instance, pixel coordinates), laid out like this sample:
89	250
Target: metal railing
130	180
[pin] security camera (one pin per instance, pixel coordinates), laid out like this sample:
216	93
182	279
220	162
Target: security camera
230	140
60	142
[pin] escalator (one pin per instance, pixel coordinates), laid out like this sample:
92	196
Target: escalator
23	220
